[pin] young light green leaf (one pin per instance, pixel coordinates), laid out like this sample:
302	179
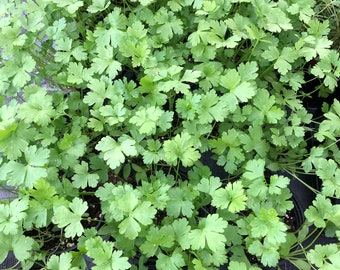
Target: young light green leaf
157	239
104	256
146	119
277	184
180	202
324	256
180	149
321	210
138	215
61	262
114	152
231	197
37	109
27	175
70	217
105	62
69	5
211	108
83	178
267	224
11	216
174	261
181	229
254	169
77	74
267	252
209	234
209	186
98	5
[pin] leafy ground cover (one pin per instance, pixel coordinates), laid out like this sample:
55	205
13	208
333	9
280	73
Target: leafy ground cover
118	103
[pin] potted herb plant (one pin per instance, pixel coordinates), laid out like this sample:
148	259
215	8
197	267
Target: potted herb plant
180	127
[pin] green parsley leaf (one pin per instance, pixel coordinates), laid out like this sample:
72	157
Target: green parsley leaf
146	119
98	5
20	174
69	5
142	214
180	148
114	152
324	256
105	62
104	256
211	107
70	217
321	210
267	252
277	184
37	109
157	239
83	178
11	216
254	169
180	202
20	244
267	224
172	262
254	141
209	234
209	186
77	74
182	229
61	262
329	172
231	197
